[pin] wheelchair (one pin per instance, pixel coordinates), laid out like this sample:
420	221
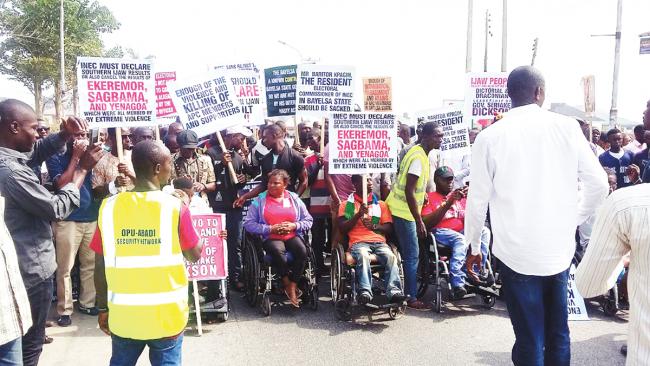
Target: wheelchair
344	285
263	287
433	269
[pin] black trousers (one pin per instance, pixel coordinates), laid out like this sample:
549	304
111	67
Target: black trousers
277	250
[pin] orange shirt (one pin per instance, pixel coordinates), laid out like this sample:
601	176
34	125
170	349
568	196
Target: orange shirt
359	232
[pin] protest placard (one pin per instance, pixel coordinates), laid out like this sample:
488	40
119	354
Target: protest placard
206	103
486	95
280	85
248	87
575	302
362	143
212	265
164	104
377	94
456	130
116	92
322	90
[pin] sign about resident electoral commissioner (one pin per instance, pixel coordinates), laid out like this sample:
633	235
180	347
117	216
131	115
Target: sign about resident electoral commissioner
362	143
206	103
248	87
115	92
486	95
212	265
280	82
456	130
322	90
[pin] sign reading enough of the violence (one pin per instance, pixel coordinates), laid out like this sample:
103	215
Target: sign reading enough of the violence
322	90
456	130
206	104
248	87
486	96
164	103
280	90
116	92
212	265
362	143
377	94
575	302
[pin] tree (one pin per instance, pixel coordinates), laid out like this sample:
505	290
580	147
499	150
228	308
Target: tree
30	52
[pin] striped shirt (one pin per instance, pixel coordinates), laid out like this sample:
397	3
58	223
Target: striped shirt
622	226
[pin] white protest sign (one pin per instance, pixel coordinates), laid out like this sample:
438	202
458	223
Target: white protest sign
206	104
362	143
486	94
116	92
456	130
322	89
575	302
248	87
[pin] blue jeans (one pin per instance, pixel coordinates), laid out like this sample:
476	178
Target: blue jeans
40	299
456	241
407	237
11	353
162	352
538	311
361	254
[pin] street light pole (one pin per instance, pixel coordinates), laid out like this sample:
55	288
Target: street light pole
613	112
61	40
488	33
303	60
504	37
468	49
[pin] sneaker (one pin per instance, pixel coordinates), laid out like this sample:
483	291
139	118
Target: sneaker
459	292
64	321
364	298
418	305
88	311
47	340
397	298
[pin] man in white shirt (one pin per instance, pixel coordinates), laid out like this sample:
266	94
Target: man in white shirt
638	143
532	191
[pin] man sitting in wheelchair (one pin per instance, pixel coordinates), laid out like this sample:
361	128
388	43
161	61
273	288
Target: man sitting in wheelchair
444	215
366	224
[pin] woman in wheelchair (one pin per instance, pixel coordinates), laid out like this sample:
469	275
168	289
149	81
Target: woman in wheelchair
366	224
444	215
281	218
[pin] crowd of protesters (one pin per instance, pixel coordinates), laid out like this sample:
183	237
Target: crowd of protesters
61	192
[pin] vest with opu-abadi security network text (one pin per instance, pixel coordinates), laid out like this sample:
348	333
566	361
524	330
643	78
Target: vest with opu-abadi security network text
396	200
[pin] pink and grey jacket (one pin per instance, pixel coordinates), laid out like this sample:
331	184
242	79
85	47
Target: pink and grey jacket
255	223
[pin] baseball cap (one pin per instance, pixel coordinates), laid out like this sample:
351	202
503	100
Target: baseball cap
444	172
187	139
239	129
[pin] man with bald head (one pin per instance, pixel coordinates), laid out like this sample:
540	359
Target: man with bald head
141	134
29	207
532	191
170	137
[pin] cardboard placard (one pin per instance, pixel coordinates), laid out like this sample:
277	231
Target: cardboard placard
377	94
322	90
213	264
486	95
280	86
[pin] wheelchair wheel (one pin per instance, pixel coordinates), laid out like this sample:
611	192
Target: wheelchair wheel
489	301
437	297
396	313
342	308
424	271
336	274
266	304
222	317
313	300
251	273
609	307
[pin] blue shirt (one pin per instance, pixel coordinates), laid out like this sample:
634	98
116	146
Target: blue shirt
619	166
88	207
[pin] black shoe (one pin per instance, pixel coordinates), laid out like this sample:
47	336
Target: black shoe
397	299
48	340
624	350
64	321
88	311
459	292
364	298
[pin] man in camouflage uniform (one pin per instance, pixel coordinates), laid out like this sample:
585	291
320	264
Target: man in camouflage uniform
188	163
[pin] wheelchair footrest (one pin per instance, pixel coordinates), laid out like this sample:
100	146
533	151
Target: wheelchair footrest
384	306
483	291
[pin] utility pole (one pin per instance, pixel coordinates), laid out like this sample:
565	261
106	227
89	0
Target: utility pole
468	50
488	33
535	44
61	37
504	37
613	112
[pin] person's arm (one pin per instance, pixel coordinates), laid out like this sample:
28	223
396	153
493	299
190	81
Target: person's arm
346	225
592	176
432	219
302	182
602	263
480	192
211	184
188	237
331	187
384	186
253	223
46	147
411	185
305	220
239	202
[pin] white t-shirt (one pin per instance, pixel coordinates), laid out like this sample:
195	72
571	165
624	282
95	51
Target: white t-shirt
617	155
416	168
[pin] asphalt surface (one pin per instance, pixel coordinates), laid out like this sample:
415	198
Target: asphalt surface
464	334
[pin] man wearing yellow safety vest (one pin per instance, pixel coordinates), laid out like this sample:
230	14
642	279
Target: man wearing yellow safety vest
141	239
405	203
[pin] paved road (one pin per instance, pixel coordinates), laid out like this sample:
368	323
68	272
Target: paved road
466	334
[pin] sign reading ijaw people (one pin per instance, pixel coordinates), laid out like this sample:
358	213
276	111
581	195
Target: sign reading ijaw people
362	143
206	104
116	92
322	90
248	87
486	95
456	140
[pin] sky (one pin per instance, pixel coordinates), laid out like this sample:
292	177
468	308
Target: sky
420	44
